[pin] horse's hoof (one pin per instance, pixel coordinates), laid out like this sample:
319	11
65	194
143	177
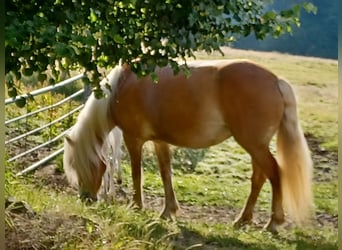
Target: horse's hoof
134	206
169	214
240	222
166	216
272	227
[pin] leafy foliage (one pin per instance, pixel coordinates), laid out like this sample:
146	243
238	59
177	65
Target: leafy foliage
62	35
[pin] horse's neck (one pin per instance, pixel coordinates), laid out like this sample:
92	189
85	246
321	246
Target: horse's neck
93	121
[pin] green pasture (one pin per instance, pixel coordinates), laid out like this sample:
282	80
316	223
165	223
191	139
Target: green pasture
211	185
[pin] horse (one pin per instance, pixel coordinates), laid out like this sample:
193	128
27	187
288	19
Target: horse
219	99
111	150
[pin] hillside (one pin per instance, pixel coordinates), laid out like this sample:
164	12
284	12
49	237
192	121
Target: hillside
317	35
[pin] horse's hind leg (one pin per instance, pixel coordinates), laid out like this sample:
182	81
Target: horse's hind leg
118	154
257	181
171	206
110	173
268	165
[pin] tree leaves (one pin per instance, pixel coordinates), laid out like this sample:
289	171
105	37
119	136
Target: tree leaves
93	34
309	7
118	39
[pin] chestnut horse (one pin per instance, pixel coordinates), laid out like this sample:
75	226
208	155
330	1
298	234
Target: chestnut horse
218	100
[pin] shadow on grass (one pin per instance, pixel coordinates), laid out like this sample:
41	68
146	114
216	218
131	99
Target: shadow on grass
192	239
310	241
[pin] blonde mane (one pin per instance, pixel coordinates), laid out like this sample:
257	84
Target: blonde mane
88	134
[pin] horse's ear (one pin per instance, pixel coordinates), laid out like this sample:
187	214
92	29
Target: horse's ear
69	140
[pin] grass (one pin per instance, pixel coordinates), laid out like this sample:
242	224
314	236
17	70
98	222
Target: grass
211	186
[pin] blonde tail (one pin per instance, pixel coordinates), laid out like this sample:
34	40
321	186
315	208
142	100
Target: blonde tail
294	160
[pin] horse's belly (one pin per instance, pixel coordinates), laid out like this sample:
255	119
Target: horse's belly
197	133
206	137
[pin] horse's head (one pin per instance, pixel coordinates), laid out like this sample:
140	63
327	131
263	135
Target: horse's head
83	167
83	158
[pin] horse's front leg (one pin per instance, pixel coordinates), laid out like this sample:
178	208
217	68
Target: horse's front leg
134	147
171	206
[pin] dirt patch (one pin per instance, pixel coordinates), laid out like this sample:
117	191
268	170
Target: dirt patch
25	229
224	214
51	177
325	161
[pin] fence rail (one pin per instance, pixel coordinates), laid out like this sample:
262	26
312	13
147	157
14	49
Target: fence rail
31	132
45	108
35	149
46	89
